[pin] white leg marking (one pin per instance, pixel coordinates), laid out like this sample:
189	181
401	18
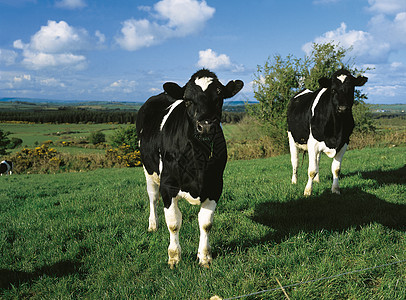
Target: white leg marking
317	177
335	169
293	157
205	222
173	218
312	146
153	194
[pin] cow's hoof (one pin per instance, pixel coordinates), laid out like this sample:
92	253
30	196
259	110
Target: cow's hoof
335	190
204	260
206	266
152	229
174	258
172	264
307	192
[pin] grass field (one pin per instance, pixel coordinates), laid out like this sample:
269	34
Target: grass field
84	235
35	134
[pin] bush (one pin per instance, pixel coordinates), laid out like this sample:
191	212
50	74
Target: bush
123	156
41	159
97	137
125	136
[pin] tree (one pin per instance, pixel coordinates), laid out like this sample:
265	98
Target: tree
280	79
4	142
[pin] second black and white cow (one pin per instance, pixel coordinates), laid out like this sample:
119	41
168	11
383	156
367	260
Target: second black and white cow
184	153
6	167
322	121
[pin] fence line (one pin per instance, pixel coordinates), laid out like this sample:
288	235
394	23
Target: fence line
315	280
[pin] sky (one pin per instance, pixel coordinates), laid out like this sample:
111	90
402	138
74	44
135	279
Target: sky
124	50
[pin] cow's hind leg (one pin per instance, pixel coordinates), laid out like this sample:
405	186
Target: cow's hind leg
173	218
317	177
335	169
153	194
293	157
205	223
312	170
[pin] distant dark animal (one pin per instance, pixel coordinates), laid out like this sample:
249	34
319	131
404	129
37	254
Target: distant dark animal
6	167
184	153
322	121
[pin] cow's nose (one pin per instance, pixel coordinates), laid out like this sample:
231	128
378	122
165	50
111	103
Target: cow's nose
342	108
203	127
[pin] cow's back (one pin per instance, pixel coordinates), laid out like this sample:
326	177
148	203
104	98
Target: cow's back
299	116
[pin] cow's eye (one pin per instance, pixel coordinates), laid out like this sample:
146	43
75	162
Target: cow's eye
188	103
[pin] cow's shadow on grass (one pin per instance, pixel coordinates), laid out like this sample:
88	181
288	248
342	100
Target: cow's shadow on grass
353	209
9	278
384	177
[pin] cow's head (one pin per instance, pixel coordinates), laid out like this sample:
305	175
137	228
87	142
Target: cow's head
342	85
203	96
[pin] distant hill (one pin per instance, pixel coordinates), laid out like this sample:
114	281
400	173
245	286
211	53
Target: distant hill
27	101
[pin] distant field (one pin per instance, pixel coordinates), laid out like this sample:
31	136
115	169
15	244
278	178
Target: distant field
34	134
84	235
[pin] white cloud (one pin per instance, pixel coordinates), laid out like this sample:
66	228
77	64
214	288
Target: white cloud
387	6
184	16
52	82
179	17
390	30
209	59
21	78
55	45
122	85
70	4
365	47
7	57
100	36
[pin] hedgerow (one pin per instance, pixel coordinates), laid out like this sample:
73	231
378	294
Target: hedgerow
45	159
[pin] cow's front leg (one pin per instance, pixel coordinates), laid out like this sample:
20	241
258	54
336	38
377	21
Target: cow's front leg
335	169
312	171
173	218
205	223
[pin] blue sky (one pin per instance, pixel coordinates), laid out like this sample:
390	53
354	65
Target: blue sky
125	50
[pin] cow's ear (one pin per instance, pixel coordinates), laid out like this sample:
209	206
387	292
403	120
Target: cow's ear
173	90
232	88
325	82
360	80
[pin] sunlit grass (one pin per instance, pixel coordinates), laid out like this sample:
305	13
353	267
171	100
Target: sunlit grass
84	235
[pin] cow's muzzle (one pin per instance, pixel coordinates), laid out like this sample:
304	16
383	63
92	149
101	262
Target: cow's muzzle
342	109
205	127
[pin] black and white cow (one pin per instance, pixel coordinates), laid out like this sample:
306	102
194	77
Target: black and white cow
322	121
184	153
6	167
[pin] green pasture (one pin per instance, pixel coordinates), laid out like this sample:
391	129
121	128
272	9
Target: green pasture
35	134
84	235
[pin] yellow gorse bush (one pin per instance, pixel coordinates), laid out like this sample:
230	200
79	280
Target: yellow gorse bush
124	156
